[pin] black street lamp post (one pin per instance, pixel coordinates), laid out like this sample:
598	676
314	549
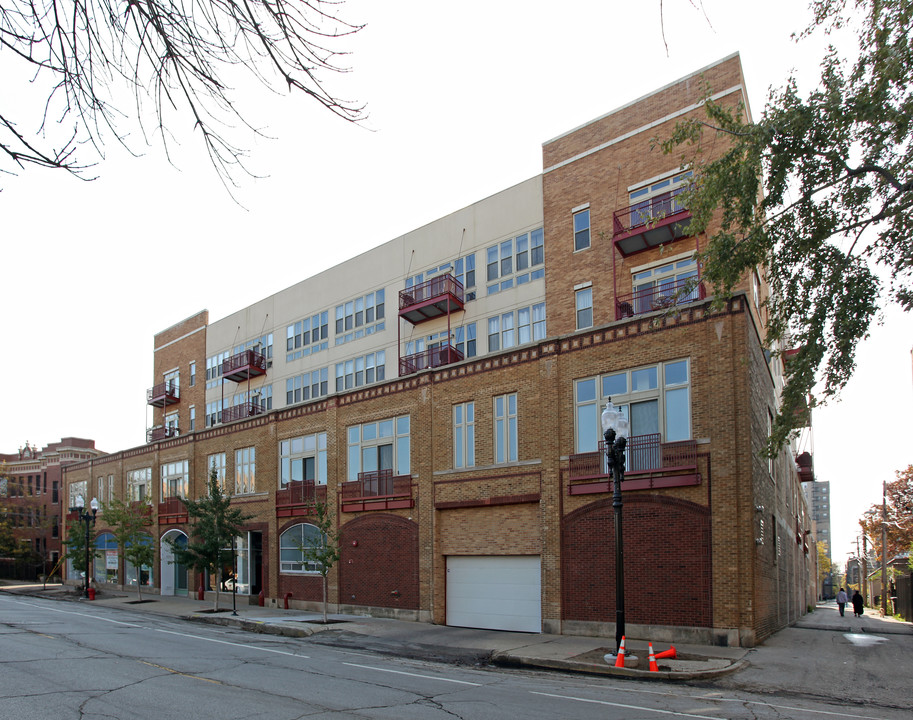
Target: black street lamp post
615	432
89	519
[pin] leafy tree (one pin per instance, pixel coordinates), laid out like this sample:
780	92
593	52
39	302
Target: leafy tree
817	194
128	522
80	62
899	515
76	544
214	526
825	565
325	549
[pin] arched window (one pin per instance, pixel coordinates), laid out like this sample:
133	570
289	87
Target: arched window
291	545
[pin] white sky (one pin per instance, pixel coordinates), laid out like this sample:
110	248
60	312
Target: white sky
460	98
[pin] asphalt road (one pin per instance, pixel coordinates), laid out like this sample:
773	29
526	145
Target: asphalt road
63	660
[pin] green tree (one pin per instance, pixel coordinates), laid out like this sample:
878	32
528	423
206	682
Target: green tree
818	194
324	550
825	566
76	544
898	511
214	526
80	62
128	522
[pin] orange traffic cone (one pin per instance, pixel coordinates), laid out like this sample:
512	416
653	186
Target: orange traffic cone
620	658
652	658
670	653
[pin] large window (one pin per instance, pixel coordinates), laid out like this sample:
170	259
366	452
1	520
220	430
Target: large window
175	479
464	435
291	545
582	229
145	574
303	458
463	269
361	371
464	339
245	471
655	399
584	303
262	345
505	427
383	445
217	461
107	559
658	199
359	317
307	336
138	484
515	261
307	386
75	488
214	369
665	285
516	327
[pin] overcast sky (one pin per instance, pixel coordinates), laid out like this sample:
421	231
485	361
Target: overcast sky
460	99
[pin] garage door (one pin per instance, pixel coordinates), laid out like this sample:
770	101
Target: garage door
495	592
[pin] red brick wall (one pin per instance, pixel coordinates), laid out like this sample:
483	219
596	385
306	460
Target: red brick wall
666	555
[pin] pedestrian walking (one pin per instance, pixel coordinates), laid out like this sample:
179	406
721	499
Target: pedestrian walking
857	604
841	601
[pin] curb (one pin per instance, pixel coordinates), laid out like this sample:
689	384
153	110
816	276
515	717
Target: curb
506	659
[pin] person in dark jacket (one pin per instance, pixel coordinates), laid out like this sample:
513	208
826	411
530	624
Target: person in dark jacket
841	601
857	604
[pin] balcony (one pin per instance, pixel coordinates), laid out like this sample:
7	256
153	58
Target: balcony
161	432
431	358
172	511
378	490
650	224
431	299
299	498
240	412
805	468
163	394
665	295
243	366
650	464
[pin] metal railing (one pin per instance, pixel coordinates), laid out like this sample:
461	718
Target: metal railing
243	360
646	213
664	295
379	483
445	354
644	453
430	289
161	432
301	492
239	412
165	390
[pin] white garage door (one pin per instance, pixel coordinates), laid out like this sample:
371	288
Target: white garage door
495	592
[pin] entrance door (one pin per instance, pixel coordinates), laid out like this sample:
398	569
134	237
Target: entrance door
173	575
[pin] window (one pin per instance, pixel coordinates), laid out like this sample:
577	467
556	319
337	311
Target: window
515	261
193	418
464	339
100	490
175	479
659	287
303	459
55	492
216	461
582	230
464	435
214	369
245	471
262	345
213	413
655	399
361	371
307	386
658	199
138	482
171	422
505	426
110	491
584	300
516	328
360	317
462	269
193	374
291	544
307	336
383	445
78	488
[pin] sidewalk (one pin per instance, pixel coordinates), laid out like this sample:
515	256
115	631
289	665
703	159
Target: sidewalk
827	617
423	640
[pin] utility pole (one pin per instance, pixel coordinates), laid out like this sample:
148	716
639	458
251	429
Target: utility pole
865	571
884	548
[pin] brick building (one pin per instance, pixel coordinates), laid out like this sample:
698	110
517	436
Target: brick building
441	394
31	484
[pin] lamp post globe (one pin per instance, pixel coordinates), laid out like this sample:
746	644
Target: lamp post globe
615	428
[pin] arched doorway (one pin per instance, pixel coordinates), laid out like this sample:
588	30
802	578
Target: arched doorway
173	575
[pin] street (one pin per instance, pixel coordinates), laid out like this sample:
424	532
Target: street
70	660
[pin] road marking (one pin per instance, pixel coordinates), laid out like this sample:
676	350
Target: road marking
178	672
425	677
240	645
627	707
70	612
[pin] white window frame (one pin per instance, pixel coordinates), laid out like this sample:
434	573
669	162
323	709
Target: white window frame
515	261
175	479
395	431
246	470
464	441
506	443
289	545
300	449
583	302
581	220
138	483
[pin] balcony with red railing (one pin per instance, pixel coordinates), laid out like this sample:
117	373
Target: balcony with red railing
434	357
805	467
243	366
172	511
161	432
163	394
650	464
649	224
431	299
377	490
299	497
664	295
240	412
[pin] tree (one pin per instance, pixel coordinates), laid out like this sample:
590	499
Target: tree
215	525
76	544
899	515
81	60
128	522
324	550
825	566
818	194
